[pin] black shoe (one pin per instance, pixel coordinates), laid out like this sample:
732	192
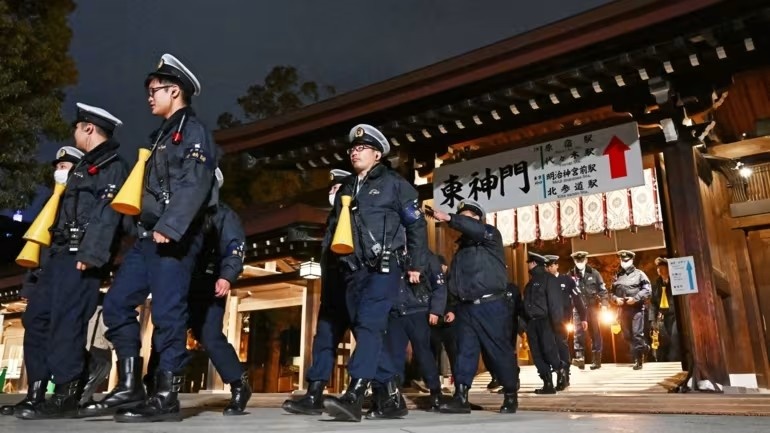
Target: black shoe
562	379
161	406
35	397
348	406
310	404
638	362
510	403
435	400
547	385
596	362
62	404
390	404
459	402
378	395
240	394
493	385
128	393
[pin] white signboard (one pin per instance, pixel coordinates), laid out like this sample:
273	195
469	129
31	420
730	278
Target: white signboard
599	161
682	275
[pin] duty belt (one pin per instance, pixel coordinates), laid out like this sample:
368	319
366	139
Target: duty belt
486	298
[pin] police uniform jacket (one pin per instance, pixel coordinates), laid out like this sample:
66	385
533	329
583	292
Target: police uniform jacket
85	205
29	283
591	286
517	308
632	283
179	178
385	210
571	298
657	294
543	297
478	267
429	295
222	255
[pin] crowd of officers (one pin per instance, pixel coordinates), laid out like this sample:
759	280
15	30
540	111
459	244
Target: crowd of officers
390	291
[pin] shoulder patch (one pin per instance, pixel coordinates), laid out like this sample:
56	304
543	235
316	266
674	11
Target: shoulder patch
199	155
411	212
107	193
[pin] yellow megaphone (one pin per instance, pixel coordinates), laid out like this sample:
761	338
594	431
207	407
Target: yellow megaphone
39	232
664	300
128	201
29	256
342	242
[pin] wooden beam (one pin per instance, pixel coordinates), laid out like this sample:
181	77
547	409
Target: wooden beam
691	239
283	266
721	283
752	221
269	279
741	149
250	304
749	208
255	271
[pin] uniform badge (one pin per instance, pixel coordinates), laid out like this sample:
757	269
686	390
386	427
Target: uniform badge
160	64
360	132
331	176
62	153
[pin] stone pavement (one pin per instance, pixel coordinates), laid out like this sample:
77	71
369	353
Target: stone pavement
274	420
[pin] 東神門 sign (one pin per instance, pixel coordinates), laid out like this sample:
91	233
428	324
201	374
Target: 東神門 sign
599	161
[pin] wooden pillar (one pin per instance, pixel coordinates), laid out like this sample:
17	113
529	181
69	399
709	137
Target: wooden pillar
309	321
691	239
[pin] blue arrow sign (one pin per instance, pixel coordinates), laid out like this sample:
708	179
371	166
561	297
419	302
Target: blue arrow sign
690	277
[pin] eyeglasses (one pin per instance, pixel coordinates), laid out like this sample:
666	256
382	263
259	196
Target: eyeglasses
360	148
151	91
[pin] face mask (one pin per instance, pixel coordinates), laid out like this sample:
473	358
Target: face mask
581	266
60	176
626	264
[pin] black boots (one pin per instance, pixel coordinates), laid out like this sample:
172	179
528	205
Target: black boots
128	393
163	405
493	385
35	397
348	406
311	404
459	402
596	363
62	404
510	403
579	361
638	362
240	394
435	400
387	403
562	379
547	385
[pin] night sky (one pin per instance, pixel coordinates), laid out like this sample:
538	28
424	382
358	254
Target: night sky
231	44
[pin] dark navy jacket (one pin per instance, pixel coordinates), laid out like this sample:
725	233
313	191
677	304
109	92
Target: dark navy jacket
591	286
179	179
543	297
222	255
478	267
91	186
429	295
632	283
386	210
571	298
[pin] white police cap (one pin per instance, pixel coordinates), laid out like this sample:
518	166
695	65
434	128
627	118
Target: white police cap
336	175
219	176
368	134
98	116
537	258
473	207
551	259
68	154
170	67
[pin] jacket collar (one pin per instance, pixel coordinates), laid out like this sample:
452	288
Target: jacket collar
171	123
105	149
538	270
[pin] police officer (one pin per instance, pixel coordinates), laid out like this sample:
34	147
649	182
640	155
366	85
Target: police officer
631	291
387	220
477	278
333	322
179	187
543	310
663	314
35	349
591	286
419	306
217	268
83	241
442	335
572	303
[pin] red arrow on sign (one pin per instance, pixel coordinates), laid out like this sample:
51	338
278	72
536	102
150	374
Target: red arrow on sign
616	150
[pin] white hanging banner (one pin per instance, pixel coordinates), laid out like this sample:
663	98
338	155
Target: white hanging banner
506	223
593	213
569	210
526	226
548	220
604	160
618	210
643	202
